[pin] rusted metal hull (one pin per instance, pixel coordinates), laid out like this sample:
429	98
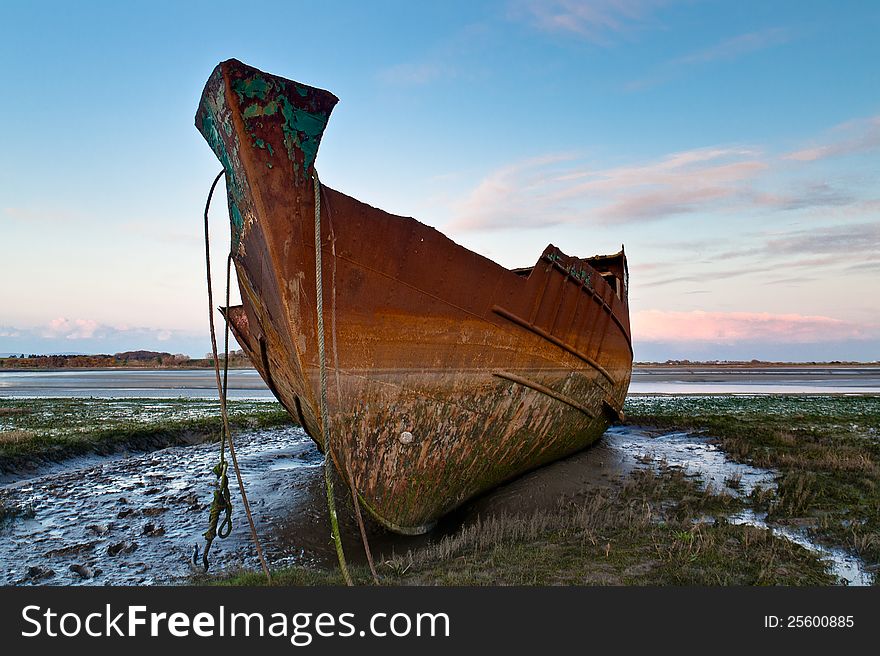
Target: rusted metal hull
447	373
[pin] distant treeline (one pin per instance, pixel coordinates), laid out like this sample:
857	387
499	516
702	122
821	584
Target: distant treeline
129	359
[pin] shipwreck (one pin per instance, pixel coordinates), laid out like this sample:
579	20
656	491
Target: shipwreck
446	373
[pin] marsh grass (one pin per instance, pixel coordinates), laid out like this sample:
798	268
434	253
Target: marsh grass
34	430
15	436
826	448
642	533
12	410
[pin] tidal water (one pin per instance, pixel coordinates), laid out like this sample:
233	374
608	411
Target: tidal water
247	384
130	383
756	380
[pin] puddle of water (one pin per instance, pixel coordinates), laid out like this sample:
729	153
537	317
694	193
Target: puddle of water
848	568
693	454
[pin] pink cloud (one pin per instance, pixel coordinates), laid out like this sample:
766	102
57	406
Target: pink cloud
594	20
556	188
542	191
853	137
71	329
737	46
89	329
732	327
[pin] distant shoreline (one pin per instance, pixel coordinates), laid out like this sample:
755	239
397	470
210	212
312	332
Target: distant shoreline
141	360
124	368
127	367
636	366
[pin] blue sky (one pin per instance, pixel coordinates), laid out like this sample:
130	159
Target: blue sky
734	147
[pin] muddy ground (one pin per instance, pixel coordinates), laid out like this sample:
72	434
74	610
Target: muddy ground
138	518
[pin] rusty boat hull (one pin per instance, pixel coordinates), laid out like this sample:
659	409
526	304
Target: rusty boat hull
447	374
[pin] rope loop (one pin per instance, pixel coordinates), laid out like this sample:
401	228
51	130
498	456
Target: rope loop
222	503
222	499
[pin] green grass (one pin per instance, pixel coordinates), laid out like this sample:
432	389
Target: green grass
826	448
38	429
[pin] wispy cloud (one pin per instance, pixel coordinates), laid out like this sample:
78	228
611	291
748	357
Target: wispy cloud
850	138
805	195
598	21
81	330
522	194
548	190
560	188
708	274
736	46
728	49
72	328
441	61
791	257
416	74
819	245
733	327
861	238
78	335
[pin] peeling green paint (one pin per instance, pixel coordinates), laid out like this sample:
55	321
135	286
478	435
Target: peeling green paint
214	124
212	135
302	130
260	143
251	87
265	109
255	109
237	222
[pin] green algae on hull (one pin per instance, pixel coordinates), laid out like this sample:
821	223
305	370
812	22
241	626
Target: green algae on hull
302	128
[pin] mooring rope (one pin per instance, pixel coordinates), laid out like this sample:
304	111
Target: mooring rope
354	495
222	499
325	433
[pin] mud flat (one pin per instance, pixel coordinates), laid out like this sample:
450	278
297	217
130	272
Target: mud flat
36	433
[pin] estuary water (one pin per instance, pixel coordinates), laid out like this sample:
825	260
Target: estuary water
130	383
247	384
756	380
